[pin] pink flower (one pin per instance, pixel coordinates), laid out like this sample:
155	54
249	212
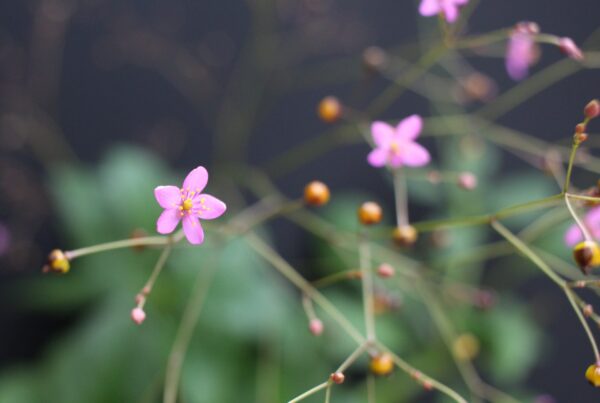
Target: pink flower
448	7
569	48
189	205
592	223
138	315
397	146
522	51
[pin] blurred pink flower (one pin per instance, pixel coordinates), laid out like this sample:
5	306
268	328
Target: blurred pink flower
521	51
189	205
569	48
449	8
592	223
397	146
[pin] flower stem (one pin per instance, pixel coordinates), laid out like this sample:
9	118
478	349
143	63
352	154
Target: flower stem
367	284
310	392
400	196
160	263
370	388
579	223
574	148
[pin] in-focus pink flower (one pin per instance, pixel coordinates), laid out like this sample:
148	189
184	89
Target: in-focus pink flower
189	205
592	223
449	8
569	48
522	50
396	146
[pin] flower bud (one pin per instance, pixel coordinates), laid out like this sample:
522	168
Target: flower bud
405	235
316	193
592	109
382	364
369	213
385	270
316	327
138	315
579	138
329	109
374	58
593	375
569	48
580	128
337	378
588	310
467	181
587	255
57	262
466	347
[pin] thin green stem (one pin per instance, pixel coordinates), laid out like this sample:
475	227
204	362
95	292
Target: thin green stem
328	393
310	392
352	357
370	388
401	197
367	285
160	263
578	221
570	296
570	167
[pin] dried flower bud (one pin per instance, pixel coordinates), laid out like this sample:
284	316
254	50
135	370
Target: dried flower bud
466	346
569	48
138	315
579	138
405	235
57	262
337	378
580	128
588	310
316	193
316	327
370	213
385	270
467	181
592	109
382	364
330	109
374	58
479	87
593	375
587	255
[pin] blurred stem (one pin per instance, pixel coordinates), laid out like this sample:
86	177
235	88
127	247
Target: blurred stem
367	283
401	197
370	388
310	392
336	278
185	332
160	263
578	221
570	166
328	393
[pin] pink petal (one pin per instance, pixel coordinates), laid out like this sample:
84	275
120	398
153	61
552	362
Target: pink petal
196	180
415	155
520	54
167	221
382	133
396	160
461	2
450	12
573	235
378	157
167	196
193	230
427	8
210	208
409	128
592	218
568	47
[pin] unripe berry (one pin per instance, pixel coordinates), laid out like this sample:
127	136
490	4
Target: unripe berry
382	364
330	109
593	375
316	327
57	262
466	346
587	255
592	109
337	378
405	235
316	193
369	213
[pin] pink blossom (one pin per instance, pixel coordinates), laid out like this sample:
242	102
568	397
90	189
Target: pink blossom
569	48
397	146
188	205
592	223
522	51
449	8
138	315
316	327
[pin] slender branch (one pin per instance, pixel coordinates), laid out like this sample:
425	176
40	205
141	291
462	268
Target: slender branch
310	392
367	285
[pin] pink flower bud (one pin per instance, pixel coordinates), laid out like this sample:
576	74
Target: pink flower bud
467	181
592	109
138	315
569	48
316	327
385	271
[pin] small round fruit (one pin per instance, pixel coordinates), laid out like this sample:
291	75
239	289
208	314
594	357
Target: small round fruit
370	213
593	375
405	235
382	364
316	193
330	109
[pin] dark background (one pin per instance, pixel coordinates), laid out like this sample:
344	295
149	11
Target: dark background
155	73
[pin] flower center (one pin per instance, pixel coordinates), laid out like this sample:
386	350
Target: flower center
187	205
394	147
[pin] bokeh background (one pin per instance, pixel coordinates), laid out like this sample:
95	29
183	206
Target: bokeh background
102	100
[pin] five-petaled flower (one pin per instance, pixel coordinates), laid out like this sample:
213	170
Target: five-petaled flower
449	8
189	205
592	223
522	50
396	146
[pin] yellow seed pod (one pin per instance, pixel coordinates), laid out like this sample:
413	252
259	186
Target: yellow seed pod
405	235
58	262
370	213
592	374
316	193
329	109
587	255
382	364
466	346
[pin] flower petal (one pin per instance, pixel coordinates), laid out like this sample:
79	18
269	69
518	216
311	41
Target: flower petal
167	196
193	230
196	180
428	8
209	207
450	12
415	155
167	221
382	133
520	54
573	235
378	157
409	128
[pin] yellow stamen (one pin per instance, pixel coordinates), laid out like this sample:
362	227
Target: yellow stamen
187	205
394	147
